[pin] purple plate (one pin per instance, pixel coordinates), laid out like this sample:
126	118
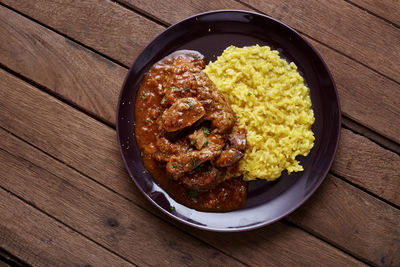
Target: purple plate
210	33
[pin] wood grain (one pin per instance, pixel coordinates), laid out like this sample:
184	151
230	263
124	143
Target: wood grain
343	26
40	240
100	203
388	9
368	165
366	96
94	23
103	216
77	74
374	136
369	228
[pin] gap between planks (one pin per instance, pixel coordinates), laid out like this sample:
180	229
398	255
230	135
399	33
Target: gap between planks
373	13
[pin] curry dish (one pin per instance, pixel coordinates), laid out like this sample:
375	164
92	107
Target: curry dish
189	136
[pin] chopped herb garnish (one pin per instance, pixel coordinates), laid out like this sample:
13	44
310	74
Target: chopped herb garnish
173	88
219	206
190	104
248	94
206	131
193	195
194	163
172	208
163	100
179	165
236	116
174	166
193	142
185	89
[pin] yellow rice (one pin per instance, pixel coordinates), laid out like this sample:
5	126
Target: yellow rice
273	105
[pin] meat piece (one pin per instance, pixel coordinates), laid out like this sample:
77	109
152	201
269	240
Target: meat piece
189	160
198	139
186	162
235	149
217	108
229	195
228	158
237	138
183	113
204	178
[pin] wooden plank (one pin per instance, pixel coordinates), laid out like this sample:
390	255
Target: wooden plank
343	26
62	198
369	228
26	120
101	215
375	137
94	23
77	74
388	9
40	240
368	165
366	96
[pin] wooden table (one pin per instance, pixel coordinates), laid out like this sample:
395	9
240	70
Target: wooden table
66	198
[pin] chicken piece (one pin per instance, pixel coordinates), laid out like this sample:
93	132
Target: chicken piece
203	178
198	138
180	164
186	162
228	158
235	149
174	93
183	113
218	111
237	138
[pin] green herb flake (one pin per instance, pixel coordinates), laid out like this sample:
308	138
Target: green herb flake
190	104
164	100
178	165
172	208
193	142
173	88
185	89
219	206
174	166
193	195
206	131
248	94
194	163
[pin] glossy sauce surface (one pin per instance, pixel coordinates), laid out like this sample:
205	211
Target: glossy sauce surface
166	107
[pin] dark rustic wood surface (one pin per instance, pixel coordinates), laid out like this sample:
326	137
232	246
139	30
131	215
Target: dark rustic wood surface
60	205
